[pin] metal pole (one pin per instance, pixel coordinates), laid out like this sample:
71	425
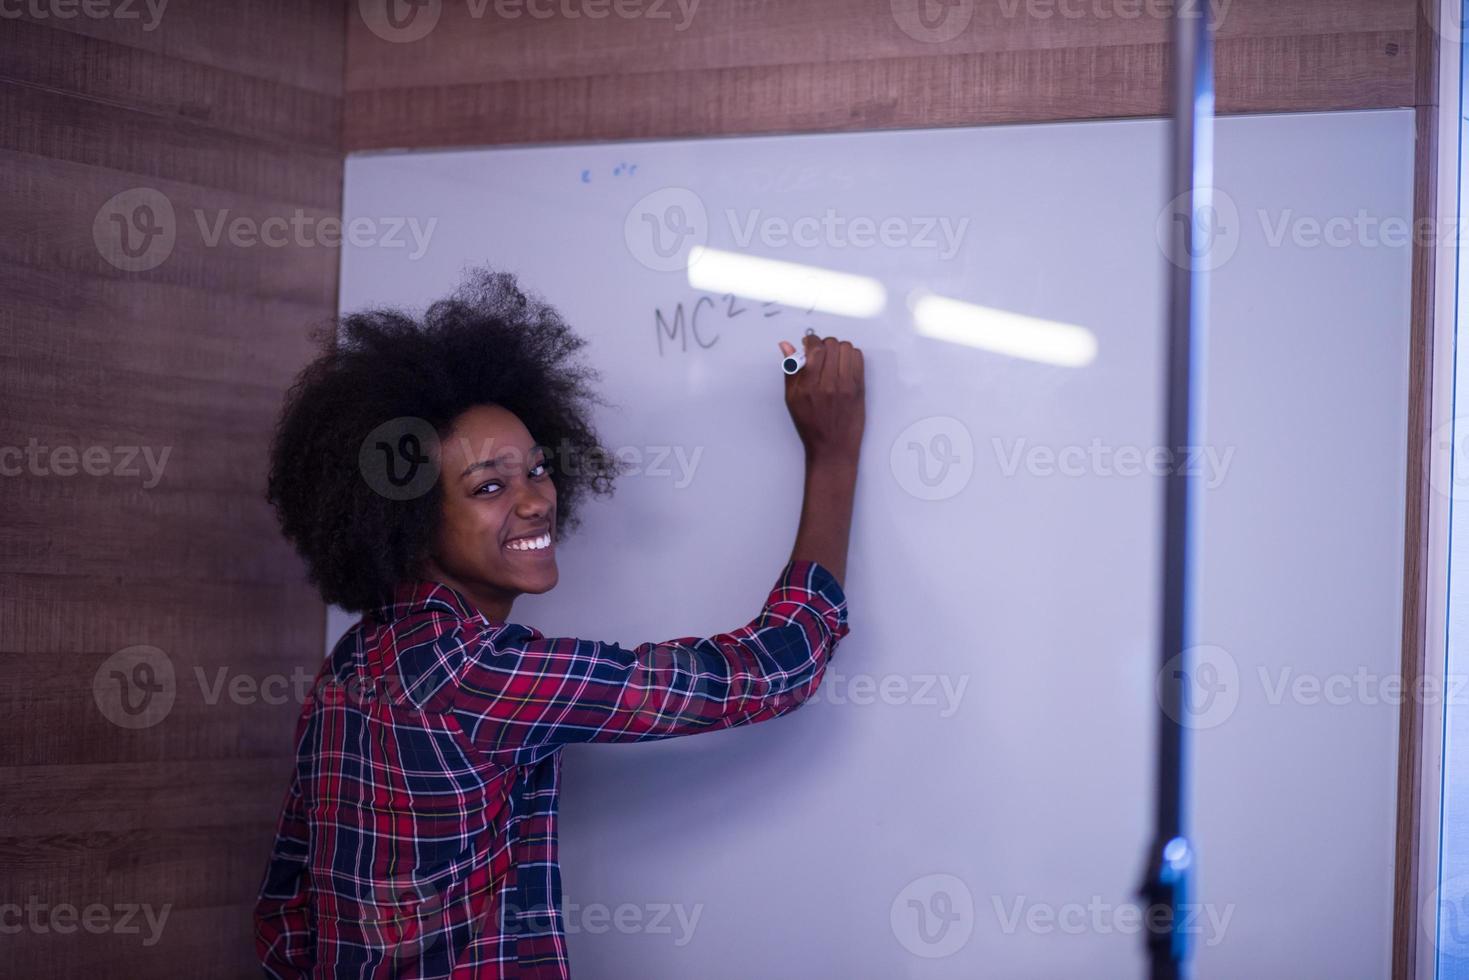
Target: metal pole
1168	887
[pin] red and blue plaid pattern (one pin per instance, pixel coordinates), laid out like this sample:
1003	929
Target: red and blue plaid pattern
418	837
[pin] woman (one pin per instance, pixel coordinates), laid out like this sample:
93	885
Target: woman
425	471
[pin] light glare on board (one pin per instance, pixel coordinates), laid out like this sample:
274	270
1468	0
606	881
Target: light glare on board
1013	334
803	287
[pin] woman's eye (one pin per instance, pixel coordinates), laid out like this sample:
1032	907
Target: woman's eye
539	470
489	487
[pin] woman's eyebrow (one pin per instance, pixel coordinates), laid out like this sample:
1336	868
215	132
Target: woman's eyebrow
494	464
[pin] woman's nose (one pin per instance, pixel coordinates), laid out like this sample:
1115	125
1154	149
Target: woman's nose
533	502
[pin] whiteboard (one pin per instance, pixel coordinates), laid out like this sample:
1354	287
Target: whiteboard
969	793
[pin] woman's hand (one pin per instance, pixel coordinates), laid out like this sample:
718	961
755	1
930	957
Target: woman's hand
826	399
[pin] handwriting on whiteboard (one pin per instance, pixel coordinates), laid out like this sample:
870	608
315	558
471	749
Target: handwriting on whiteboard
703	319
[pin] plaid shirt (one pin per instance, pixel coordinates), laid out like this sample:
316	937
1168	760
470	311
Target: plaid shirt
418	837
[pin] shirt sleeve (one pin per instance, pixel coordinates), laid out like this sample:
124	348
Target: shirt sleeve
519	690
285	939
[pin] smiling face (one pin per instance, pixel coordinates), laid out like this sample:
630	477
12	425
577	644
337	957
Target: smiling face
497	537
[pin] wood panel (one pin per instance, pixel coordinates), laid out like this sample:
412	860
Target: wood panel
1417	548
245	108
220	110
478	78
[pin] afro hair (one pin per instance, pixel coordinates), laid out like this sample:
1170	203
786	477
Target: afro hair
383	372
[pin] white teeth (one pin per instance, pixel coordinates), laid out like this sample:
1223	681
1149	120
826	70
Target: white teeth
530	544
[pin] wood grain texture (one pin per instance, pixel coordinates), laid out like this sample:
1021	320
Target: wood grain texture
243	109
743	68
221	111
1416	524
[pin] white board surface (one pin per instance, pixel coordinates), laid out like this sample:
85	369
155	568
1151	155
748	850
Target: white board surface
986	730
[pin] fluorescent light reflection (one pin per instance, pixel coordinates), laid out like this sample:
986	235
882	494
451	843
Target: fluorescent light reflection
1003	332
803	287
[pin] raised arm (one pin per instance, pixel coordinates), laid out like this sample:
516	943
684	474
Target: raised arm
518	690
826	399
515	690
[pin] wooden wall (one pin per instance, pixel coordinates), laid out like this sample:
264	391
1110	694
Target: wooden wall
218	106
169	340
476	76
